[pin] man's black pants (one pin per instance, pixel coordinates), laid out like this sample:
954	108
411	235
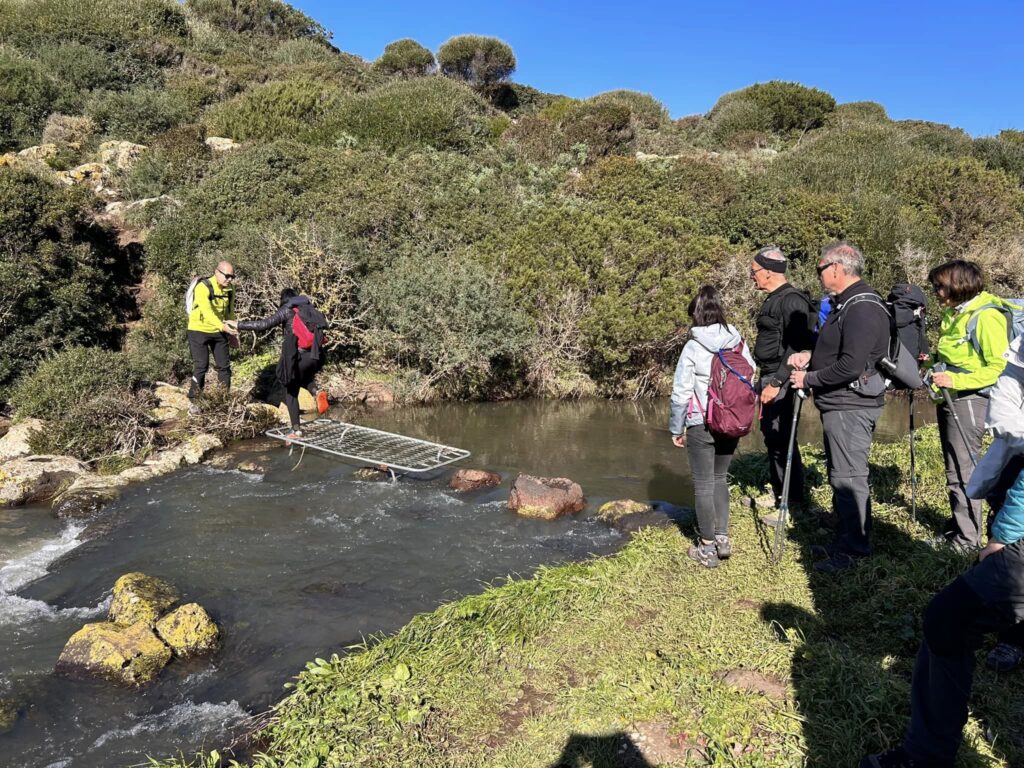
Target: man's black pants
988	598
776	424
199	345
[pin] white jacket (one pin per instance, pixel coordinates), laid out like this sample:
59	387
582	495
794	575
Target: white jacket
1005	419
693	373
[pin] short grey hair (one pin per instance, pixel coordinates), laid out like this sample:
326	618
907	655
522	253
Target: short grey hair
772	253
847	255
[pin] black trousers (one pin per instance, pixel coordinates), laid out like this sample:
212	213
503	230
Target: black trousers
307	370
776	424
1015	634
199	345
988	598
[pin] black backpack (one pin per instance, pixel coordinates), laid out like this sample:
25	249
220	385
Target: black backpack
899	368
908	304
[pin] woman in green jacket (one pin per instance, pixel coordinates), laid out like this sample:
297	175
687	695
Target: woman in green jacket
968	360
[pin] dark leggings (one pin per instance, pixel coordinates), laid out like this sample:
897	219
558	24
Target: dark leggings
710	456
200	344
307	370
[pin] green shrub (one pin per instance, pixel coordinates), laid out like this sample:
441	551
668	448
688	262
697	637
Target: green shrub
68	378
776	106
425	112
156	345
68	129
268	18
406	58
448	317
83	68
284	109
646	110
27	95
303	51
518	100
589	130
175	159
1011	135
62	278
1000	154
853	111
135	115
478	60
103	24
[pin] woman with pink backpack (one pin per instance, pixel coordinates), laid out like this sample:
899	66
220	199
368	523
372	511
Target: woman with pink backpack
713	405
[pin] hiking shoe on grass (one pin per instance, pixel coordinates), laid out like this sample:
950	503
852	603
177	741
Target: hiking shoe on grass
723	546
705	554
321	402
1005	657
894	758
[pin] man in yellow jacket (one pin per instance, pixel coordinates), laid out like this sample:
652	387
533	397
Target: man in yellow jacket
213	305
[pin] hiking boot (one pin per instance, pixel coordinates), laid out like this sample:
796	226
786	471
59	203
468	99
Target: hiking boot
894	758
723	546
1005	657
705	554
321	402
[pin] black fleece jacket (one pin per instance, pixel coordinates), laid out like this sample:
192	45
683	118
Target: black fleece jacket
785	325
278	318
846	350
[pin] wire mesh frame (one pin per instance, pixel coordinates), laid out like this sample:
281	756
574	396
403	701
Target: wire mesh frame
372	446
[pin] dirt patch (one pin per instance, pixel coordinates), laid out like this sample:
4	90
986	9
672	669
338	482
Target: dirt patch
531	703
656	743
641	618
752	681
749	605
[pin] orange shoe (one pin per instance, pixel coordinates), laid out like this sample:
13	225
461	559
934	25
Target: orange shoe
321	402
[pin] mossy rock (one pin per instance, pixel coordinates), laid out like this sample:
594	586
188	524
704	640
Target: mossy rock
8	714
614	510
138	597
189	631
125	655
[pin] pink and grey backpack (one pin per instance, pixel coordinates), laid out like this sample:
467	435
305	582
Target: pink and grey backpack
732	398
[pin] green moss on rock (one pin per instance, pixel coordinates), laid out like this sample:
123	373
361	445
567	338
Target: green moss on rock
189	631
125	655
138	597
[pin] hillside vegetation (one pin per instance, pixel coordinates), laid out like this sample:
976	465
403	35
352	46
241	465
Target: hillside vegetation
470	237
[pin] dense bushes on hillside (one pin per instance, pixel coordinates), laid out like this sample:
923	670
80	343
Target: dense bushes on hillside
553	241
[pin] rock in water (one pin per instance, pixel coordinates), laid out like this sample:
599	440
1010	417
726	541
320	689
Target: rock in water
127	655
472	479
545	498
8	714
628	516
138	597
36	478
189	631
613	510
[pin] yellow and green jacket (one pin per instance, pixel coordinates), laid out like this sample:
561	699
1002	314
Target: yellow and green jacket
973	368
210	310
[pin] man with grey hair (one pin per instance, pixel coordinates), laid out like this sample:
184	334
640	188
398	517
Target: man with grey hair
849	393
785	326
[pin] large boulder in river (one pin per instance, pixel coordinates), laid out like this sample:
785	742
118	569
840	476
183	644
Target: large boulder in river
14	444
36	478
138	597
127	655
472	479
83	503
189	631
545	498
628	516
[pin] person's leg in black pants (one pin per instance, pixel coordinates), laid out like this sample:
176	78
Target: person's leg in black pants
200	351
776	423
1006	659
222	358
306	373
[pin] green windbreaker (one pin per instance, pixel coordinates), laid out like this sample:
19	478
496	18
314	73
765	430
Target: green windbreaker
970	370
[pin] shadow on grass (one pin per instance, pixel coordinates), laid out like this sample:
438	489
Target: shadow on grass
615	750
853	655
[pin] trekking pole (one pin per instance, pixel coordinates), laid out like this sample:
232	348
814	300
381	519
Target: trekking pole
913	463
780	527
959	425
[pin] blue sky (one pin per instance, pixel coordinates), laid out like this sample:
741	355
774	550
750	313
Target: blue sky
960	63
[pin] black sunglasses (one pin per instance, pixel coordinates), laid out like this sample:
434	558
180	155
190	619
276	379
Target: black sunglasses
822	267
227	275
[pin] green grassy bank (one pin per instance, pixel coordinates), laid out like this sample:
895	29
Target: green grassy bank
643	658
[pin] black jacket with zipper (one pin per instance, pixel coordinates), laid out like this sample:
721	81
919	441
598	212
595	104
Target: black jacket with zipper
288	364
785	325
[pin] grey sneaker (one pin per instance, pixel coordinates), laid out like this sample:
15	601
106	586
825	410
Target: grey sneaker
723	546
705	554
1005	657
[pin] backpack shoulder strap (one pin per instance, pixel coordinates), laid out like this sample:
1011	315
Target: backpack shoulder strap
972	322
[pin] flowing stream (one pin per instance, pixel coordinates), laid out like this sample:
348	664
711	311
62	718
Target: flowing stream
299	563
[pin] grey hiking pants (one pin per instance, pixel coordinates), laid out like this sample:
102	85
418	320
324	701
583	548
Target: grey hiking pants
964	527
847	436
988	598
710	456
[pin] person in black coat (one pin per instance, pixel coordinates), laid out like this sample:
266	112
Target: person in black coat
298	366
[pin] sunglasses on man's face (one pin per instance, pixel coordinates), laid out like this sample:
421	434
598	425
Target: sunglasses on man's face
227	275
822	267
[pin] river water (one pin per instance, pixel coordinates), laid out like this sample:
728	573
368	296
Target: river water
302	562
